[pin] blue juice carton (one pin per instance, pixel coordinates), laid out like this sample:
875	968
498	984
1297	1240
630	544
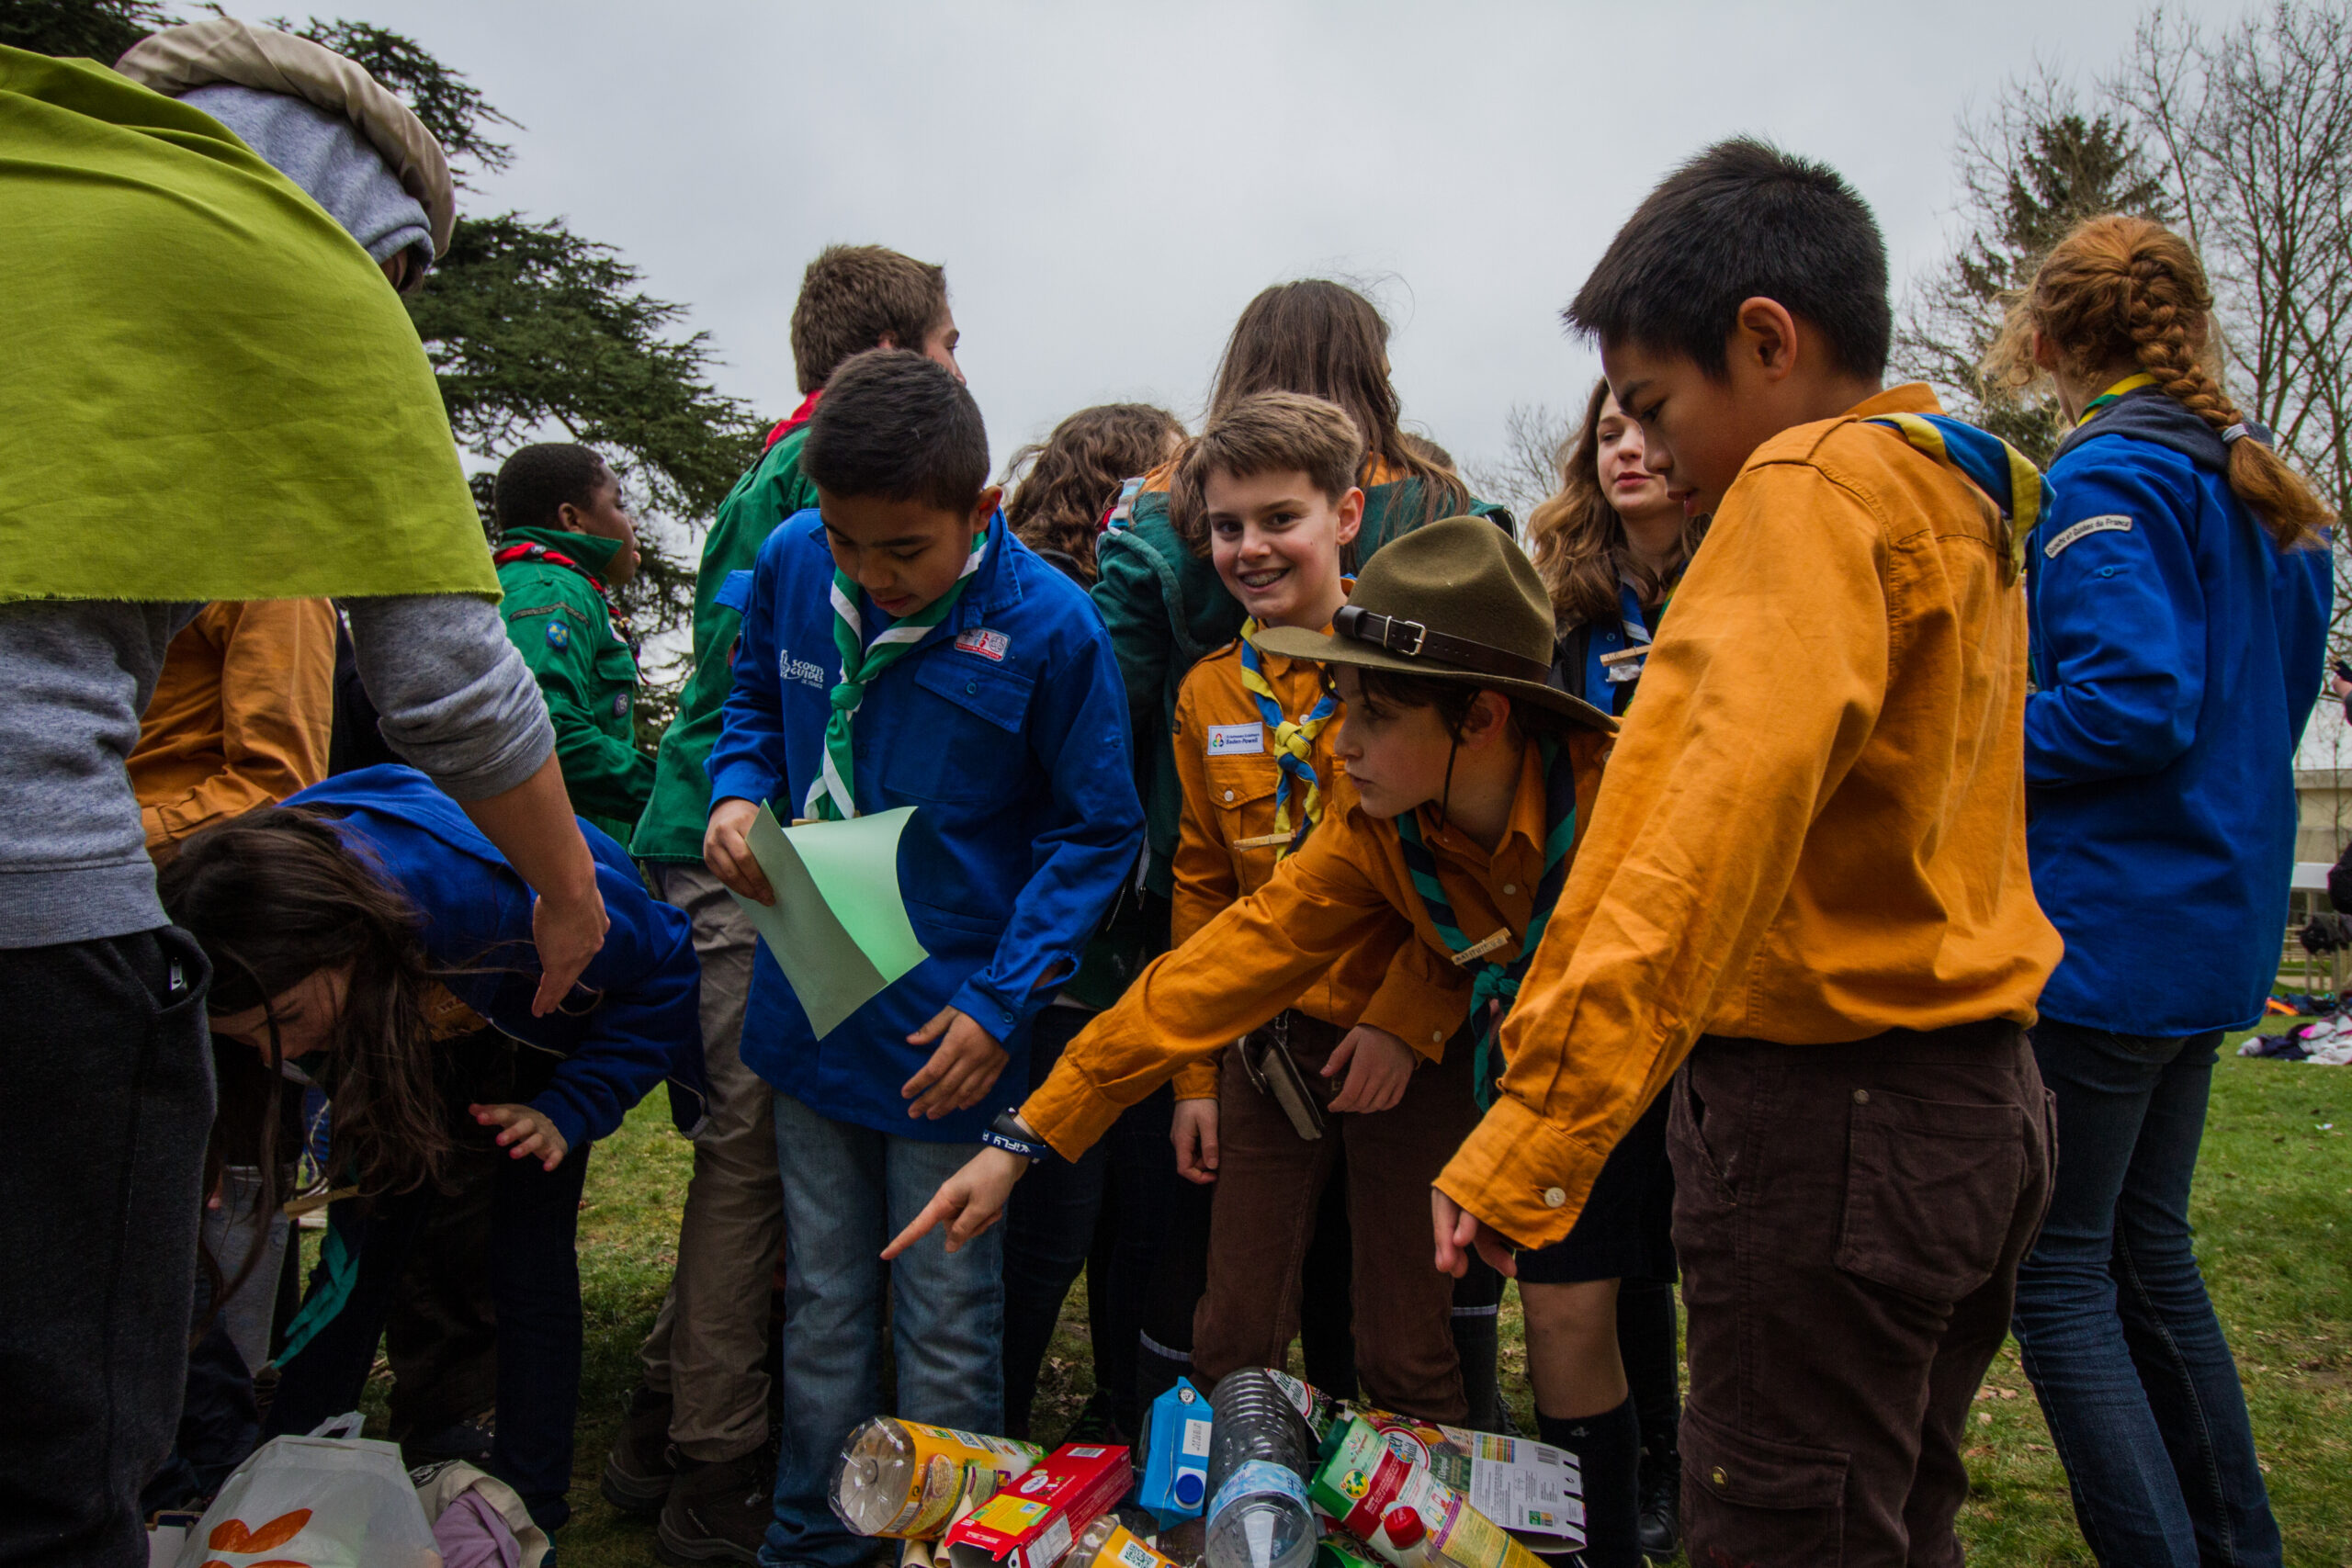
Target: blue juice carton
1176	1455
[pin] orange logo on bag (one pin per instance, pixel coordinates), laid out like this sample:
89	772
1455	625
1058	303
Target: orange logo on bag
231	1535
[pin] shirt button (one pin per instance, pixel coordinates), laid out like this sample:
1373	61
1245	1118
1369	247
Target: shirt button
1437	1036
1228	795
1717	1476
1861	1097
1509	888
1554	1198
971	687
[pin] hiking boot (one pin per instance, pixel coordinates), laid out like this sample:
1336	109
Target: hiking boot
1658	1527
719	1510
641	1467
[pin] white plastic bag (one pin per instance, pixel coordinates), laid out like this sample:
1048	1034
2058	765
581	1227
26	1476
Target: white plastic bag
329	1500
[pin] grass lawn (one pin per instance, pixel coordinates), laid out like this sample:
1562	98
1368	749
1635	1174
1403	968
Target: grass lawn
2273	1219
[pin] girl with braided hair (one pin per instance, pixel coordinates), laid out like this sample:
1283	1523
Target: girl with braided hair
2178	600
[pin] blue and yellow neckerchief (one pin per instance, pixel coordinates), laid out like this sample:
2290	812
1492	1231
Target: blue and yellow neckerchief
1609	681
2006	475
1492	982
1293	740
2114	394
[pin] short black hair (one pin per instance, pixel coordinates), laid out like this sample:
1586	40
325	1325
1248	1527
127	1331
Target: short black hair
894	424
1740	219
535	480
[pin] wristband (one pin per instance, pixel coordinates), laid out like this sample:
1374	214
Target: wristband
1008	1132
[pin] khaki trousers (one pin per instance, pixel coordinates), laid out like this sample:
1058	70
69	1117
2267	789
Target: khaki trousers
708	1348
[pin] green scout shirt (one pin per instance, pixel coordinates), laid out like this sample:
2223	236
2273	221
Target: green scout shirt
585	670
774	487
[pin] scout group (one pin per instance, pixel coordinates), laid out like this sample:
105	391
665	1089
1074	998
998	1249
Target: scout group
1813	857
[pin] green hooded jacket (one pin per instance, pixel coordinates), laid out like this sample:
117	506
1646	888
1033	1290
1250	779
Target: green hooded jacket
774	487
585	671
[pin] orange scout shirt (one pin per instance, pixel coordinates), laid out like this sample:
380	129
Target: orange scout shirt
241	715
1226	761
1813	828
1347	888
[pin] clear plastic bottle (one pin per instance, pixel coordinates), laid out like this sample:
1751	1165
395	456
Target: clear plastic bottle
904	1479
1259	1453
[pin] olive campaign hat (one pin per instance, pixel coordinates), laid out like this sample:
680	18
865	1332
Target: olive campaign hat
1454	600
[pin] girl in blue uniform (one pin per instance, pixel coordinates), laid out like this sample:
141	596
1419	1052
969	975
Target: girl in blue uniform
2179	597
1611	545
365	937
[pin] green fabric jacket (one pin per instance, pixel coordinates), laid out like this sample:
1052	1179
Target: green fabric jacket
672	827
1167	610
585	671
207	386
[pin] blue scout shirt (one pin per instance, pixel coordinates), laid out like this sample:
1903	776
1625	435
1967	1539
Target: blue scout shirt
2177	654
1006	727
635	1015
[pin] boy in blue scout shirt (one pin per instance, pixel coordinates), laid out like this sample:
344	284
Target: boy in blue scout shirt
901	647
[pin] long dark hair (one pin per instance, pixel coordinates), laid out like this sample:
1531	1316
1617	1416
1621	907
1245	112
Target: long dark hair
1328	341
1577	541
275	896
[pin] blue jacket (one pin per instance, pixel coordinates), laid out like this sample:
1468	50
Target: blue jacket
640	1017
1007	729
2176	653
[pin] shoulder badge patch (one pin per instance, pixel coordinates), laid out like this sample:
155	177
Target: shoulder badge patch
990	645
2113	522
1237	739
559	635
620	705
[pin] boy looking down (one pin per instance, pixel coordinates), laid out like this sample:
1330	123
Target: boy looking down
901	647
692	1447
565	542
1807	873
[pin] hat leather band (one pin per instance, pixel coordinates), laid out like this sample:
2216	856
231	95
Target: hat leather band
1411	639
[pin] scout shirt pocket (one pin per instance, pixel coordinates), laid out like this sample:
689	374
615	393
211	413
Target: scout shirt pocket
614	692
1241	804
961	742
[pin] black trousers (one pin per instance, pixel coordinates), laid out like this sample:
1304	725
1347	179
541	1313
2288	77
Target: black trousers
103	1120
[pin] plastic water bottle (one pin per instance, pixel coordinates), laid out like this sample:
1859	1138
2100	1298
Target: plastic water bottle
1259	1451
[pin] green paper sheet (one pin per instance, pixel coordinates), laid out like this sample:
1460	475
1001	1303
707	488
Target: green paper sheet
838	928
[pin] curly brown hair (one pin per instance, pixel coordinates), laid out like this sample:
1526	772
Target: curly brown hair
2123	290
1076	472
1577	541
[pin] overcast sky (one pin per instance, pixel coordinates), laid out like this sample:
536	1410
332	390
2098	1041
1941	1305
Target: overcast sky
1108	184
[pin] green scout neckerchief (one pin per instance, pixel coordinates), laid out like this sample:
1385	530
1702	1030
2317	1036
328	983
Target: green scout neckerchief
1491	982
833	795
211	392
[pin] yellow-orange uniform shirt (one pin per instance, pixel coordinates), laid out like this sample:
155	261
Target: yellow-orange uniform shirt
1230	801
1346	888
1813	828
241	716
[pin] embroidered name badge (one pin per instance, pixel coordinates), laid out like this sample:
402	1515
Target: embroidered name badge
2113	522
988	645
799	670
1237	739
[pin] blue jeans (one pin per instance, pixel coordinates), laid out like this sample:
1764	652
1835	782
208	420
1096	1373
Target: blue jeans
847	1189
2118	1337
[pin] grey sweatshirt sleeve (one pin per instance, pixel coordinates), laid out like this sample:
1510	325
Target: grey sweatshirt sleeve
457	699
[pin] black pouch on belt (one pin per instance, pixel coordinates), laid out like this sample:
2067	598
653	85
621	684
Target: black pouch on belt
1266	1058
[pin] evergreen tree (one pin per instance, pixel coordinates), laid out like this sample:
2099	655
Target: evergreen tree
2036	170
92	30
